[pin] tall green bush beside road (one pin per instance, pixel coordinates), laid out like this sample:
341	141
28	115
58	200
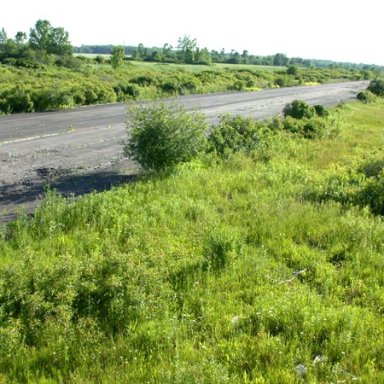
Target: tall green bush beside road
377	87
161	137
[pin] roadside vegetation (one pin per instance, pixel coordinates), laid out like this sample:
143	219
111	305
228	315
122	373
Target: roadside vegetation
39	72
255	259
48	87
374	92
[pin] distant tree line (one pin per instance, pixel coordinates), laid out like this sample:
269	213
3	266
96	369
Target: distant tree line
44	44
187	51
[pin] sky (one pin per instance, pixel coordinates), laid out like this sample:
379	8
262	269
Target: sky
339	30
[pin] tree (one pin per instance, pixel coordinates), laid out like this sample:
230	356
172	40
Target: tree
49	40
3	42
202	56
3	36
143	52
167	52
245	56
234	57
280	60
118	54
187	45
20	38
39	36
13	48
8	47
59	43
155	56
222	55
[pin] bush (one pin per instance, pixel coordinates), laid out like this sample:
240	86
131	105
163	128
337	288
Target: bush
16	100
293	70
280	82
127	91
71	62
170	86
190	85
321	111
28	62
372	167
100	59
299	109
377	87
143	80
366	97
372	195
314	128
233	134
238	85
160	137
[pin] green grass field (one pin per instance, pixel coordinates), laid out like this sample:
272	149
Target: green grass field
198	68
194	68
228	271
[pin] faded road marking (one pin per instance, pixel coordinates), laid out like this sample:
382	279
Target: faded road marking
30	138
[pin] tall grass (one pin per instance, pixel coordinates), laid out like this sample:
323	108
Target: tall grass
222	272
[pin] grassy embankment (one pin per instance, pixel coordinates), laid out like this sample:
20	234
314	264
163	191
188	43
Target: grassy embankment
51	87
248	270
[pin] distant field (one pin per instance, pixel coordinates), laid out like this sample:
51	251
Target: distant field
191	67
199	68
252	67
92	55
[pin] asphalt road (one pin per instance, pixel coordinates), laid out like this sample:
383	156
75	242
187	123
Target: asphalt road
80	150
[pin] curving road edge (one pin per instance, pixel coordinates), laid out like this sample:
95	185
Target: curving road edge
80	150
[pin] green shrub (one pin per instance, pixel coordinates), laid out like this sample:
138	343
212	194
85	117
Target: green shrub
219	246
143	80
280	82
321	111
366	97
313	128
190	85
238	85
299	109
376	86
362	186
372	195
127	91
16	100
100	59
161	137
27	62
372	167
293	70
69	62
233	134
10	61
170	86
